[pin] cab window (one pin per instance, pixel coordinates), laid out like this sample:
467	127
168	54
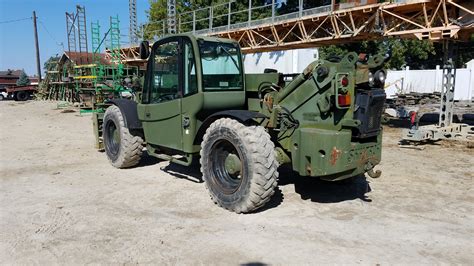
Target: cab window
165	77
221	66
190	82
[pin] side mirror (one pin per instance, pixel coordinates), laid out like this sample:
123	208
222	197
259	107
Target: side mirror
144	50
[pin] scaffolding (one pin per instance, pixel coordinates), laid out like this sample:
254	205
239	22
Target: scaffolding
71	31
95	41
76	28
115	52
57	84
103	79
89	78
82	29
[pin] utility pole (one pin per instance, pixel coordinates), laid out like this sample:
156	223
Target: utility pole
38	64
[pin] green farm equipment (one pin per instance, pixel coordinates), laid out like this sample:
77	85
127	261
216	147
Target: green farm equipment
197	102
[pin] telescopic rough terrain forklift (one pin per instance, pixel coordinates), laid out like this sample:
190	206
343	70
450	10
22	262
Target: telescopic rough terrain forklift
197	102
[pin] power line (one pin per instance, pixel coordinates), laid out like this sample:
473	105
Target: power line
50	35
47	31
14	20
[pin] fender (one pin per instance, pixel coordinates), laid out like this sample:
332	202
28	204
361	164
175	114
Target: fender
129	112
243	116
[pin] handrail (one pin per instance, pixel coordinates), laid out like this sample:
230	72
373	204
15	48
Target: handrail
190	22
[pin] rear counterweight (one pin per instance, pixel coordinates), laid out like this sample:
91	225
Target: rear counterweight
333	155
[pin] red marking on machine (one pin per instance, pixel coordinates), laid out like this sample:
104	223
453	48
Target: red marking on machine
335	154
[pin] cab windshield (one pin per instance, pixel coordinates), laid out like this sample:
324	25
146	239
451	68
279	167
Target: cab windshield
221	66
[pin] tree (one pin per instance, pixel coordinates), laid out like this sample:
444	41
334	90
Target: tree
413	53
23	80
51	63
405	52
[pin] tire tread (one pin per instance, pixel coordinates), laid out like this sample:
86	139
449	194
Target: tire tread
262	155
131	147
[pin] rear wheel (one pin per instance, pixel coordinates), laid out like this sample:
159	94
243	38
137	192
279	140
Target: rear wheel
22	96
238	164
122	148
2	97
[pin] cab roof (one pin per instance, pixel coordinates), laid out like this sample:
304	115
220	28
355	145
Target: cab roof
202	37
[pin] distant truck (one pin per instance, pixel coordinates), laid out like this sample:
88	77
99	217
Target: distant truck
21	93
3	94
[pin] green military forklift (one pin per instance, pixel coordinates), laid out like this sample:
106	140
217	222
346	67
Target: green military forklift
197	103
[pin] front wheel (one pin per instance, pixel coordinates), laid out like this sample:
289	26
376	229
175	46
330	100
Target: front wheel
122	148
238	164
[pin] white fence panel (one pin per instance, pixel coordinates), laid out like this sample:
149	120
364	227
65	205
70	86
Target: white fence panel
291	61
429	81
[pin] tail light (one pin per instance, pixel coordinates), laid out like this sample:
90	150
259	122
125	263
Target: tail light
344	100
343	97
344	81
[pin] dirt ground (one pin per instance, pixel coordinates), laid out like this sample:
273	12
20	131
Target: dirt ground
62	202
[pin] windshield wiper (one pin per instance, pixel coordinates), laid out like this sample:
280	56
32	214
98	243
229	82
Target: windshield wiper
233	59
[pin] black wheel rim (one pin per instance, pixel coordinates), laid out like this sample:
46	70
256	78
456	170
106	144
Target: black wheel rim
112	138
227	180
22	96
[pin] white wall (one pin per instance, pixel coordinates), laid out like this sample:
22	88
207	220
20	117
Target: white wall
427	81
291	61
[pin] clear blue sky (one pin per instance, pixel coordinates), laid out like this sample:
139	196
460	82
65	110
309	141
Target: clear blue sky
17	49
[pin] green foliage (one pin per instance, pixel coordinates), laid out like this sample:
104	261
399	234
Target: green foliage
23	80
413	53
290	6
43	89
51	63
465	53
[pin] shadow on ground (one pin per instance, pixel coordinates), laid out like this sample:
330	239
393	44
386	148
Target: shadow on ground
309	188
317	190
191	173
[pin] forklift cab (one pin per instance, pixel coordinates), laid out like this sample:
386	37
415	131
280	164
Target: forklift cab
187	78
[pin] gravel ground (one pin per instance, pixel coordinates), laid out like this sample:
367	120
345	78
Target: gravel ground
62	202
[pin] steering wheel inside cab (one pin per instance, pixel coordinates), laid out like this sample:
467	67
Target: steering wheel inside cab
164	97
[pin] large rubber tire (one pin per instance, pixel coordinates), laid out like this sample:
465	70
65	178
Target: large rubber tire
22	96
2	97
254	184
122	148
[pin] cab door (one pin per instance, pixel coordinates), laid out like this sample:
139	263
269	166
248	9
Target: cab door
160	111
